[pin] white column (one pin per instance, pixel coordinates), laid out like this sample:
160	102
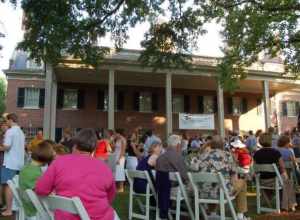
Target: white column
50	103
220	99
169	104
266	103
53	109
111	100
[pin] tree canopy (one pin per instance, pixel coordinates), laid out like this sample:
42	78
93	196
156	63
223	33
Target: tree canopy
249	27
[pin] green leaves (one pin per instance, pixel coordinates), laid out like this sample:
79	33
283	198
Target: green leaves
2	95
250	28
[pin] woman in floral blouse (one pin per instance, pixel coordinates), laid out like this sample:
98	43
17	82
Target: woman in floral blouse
218	160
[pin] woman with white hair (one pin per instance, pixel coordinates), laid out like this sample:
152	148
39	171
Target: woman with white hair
170	161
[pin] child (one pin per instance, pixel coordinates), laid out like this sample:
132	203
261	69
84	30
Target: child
41	156
242	156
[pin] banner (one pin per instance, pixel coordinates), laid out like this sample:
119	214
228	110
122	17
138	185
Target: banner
197	121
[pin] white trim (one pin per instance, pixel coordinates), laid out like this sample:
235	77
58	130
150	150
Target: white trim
27	79
31	108
69	109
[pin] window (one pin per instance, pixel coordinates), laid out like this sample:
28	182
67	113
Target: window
178	103
208	104
31	98
145	102
292	108
105	101
236	106
70	99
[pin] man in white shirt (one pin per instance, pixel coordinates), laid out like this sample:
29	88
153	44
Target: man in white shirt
14	151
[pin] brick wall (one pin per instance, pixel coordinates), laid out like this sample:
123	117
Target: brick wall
26	116
128	119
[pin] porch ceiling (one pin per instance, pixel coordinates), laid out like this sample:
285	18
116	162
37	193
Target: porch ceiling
90	76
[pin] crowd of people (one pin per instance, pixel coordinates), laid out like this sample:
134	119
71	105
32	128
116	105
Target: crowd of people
92	163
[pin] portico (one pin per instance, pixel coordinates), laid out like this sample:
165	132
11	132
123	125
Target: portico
120	73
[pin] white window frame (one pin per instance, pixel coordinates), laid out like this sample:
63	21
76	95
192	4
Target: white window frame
142	96
75	107
294	109
176	108
237	101
37	98
208	100
106	101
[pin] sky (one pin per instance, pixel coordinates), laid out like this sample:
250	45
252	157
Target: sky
11	20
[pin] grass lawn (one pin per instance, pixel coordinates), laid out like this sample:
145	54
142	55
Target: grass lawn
121	206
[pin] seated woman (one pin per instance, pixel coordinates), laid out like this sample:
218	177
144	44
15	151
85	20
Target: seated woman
80	174
242	156
284	147
269	155
218	160
147	163
41	155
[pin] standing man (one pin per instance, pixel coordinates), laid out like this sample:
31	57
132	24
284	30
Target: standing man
14	152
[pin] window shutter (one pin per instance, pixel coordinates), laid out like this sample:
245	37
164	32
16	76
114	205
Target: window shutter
120	101
297	108
200	104
187	104
60	98
215	104
154	102
100	99
42	98
80	98
136	101
21	97
284	108
244	105
58	134
229	105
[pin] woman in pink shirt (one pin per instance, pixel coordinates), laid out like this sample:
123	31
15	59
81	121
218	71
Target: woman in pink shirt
81	175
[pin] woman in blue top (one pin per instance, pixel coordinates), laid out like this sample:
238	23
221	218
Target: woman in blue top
284	147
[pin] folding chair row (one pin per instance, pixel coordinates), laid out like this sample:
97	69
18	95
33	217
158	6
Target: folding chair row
182	195
45	206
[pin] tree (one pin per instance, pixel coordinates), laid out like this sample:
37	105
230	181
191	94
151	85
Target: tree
250	27
2	95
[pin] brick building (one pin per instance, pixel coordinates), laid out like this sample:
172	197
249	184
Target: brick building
123	94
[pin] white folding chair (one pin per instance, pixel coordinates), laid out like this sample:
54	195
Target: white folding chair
72	205
20	210
150	191
271	168
181	196
42	214
224	197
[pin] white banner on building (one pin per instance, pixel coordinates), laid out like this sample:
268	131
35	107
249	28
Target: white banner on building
197	121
